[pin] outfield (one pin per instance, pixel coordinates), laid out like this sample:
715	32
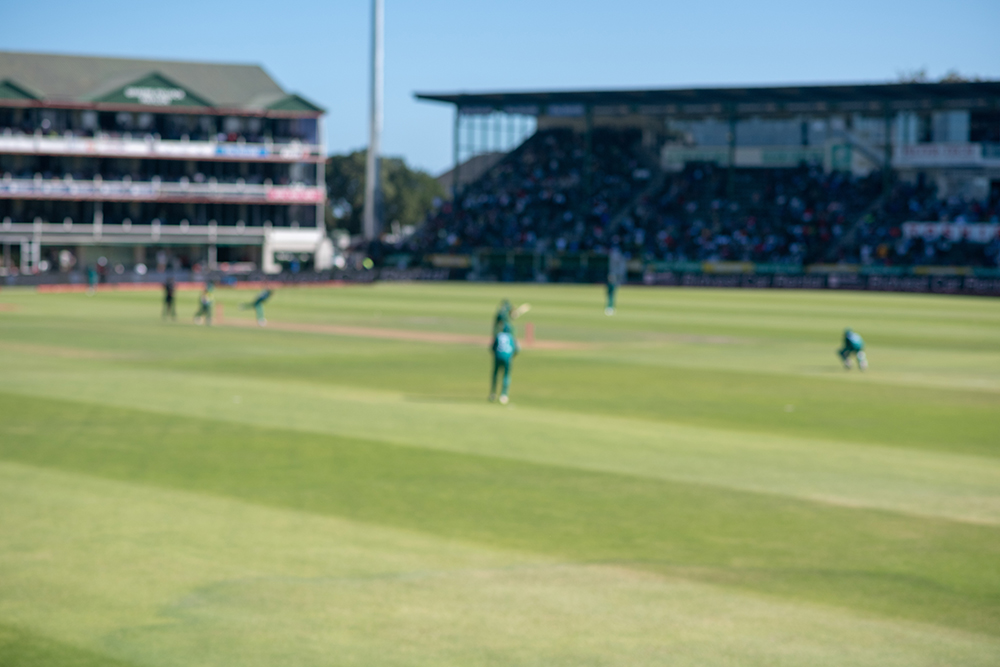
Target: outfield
694	481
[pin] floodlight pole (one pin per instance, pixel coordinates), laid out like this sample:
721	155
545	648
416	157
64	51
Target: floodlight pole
373	186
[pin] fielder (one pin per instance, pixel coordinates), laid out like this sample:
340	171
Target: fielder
205	303
617	273
258	305
853	344
504	349
169	307
92	278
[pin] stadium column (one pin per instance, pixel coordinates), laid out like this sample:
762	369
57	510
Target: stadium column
98	218
213	249
25	257
456	172
321	175
887	166
36	244
588	146
730	184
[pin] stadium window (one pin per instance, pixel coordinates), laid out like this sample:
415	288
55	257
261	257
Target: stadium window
254	126
925	129
50	121
88	120
206	127
305	130
984	126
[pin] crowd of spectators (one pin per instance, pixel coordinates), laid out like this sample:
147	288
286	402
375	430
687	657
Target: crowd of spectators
778	216
546	195
167	171
880	238
149	126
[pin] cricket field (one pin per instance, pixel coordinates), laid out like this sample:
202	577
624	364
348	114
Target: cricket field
695	481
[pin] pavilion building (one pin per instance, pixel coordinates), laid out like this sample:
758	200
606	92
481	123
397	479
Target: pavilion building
163	164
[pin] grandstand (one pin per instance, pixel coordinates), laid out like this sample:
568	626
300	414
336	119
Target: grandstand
783	180
178	165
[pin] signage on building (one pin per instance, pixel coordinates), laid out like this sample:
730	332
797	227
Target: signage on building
154	90
296	195
938	155
976	232
156	97
241	150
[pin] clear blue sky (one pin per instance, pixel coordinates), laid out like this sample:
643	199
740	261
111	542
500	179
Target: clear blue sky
320	49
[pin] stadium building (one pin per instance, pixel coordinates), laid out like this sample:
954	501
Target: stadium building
784	180
170	165
949	132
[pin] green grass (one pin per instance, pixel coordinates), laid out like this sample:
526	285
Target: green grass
701	485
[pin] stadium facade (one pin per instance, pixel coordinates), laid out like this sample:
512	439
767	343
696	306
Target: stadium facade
168	164
887	179
947	132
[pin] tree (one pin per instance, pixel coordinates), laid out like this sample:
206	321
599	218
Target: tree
954	76
407	194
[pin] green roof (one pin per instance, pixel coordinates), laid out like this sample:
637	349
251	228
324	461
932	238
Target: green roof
293	103
85	79
11	91
154	89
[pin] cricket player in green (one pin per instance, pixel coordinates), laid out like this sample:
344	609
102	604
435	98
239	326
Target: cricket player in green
205	303
612	288
504	349
258	305
617	271
92	278
506	313
502	318
169	306
853	344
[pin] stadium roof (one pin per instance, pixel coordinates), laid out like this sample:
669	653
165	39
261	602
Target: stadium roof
39	79
750	100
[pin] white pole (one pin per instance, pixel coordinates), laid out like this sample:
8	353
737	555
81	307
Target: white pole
373	187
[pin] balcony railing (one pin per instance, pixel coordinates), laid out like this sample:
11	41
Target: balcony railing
149	146
71	232
158	191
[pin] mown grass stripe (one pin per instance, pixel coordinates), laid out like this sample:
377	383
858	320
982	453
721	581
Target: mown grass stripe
902	567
